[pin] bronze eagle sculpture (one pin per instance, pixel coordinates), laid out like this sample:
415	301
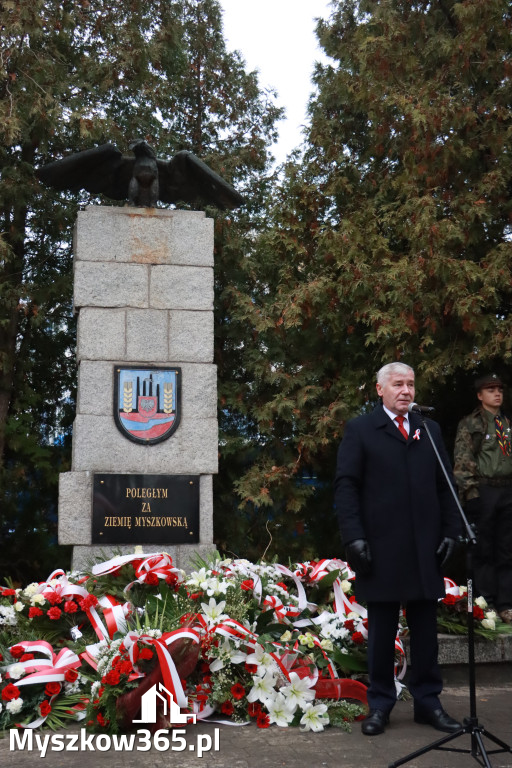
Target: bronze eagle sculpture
142	179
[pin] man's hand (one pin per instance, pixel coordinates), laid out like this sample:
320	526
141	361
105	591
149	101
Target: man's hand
445	550
358	556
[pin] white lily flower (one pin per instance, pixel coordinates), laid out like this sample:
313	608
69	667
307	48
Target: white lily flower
262	659
197	578
314	717
280	710
228	654
213	610
299	690
263	688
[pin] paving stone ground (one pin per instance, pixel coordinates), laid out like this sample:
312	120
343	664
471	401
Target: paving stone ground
251	747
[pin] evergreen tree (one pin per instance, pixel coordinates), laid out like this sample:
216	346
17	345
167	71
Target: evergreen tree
390	236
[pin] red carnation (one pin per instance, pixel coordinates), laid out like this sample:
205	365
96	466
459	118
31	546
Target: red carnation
70	675
152	579
125	667
237	691
45	708
227	708
27	657
146	653
357	638
6	592
17	651
450	599
51	689
254	709
10	692
247	585
262	720
53	597
87	602
54	613
70	606
349	624
112	678
34	612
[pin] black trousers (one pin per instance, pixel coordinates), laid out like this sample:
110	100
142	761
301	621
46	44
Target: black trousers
492	556
425	682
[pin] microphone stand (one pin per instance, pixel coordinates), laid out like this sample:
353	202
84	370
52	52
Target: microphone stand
470	725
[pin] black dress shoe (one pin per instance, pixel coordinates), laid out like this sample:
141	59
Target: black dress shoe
438	719
375	722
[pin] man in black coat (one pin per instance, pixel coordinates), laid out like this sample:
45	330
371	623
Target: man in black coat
399	523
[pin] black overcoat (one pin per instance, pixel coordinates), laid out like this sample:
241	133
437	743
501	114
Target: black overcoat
393	493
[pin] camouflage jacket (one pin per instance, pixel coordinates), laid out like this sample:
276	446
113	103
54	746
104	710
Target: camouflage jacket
471	432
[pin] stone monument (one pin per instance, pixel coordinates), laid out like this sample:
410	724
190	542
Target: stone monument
145	437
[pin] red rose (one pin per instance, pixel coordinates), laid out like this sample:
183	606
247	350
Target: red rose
478	614
17	651
34	612
70	606
27	657
10	692
44	708
51	689
237	691
227	708
357	638
146	653
262	720
152	579
247	585
112	678
70	675
54	613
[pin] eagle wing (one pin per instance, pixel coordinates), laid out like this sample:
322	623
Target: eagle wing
185	178
102	170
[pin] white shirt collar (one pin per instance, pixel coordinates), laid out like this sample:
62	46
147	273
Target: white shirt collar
393	416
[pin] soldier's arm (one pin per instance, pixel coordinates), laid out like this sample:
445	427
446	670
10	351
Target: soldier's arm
465	467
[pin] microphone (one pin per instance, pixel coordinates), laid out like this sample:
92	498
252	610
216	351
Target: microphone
423	409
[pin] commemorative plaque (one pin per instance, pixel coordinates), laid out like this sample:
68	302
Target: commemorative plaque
145	509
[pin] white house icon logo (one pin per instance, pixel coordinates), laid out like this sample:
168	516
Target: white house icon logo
171	709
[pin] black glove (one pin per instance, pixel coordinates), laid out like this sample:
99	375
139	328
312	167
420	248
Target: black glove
358	556
445	550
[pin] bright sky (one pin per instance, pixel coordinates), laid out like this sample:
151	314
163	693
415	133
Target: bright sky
277	38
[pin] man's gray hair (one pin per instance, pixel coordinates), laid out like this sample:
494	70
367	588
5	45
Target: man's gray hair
391	369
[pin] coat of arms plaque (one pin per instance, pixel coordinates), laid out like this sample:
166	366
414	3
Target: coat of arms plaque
147	402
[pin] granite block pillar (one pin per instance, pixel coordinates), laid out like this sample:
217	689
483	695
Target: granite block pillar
143	291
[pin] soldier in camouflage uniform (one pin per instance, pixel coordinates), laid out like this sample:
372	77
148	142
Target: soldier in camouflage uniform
483	471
